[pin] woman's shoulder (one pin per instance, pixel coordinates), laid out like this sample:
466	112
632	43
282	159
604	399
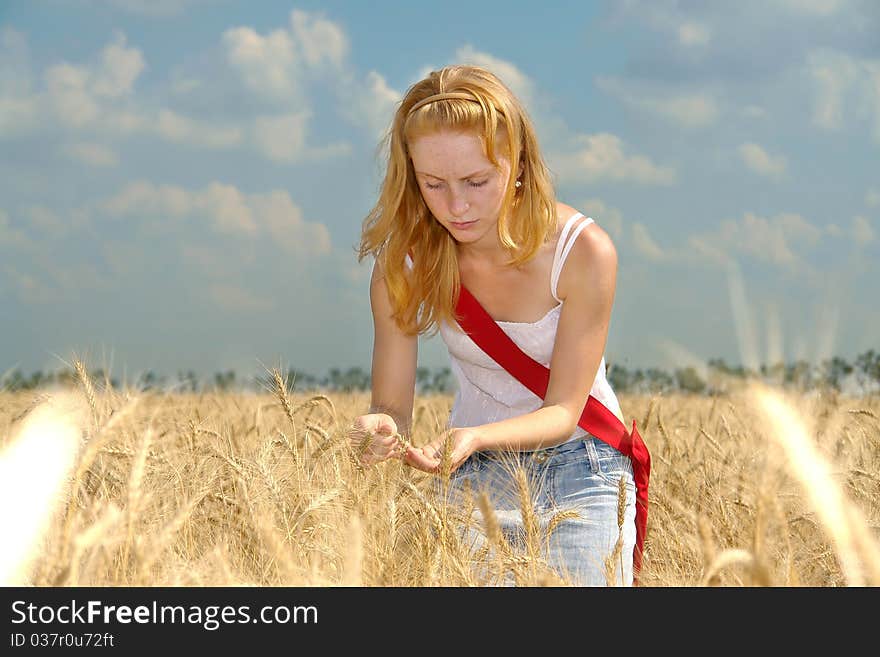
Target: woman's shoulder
593	236
564	212
591	257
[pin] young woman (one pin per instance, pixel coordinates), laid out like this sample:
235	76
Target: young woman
467	201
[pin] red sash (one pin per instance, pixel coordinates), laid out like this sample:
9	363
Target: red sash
596	418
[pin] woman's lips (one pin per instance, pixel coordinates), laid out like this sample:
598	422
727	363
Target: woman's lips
466	224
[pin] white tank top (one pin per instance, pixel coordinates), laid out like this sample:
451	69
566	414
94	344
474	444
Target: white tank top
486	392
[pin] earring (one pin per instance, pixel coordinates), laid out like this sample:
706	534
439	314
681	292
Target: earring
518	183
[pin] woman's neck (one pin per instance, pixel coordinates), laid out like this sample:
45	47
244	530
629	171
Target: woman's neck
493	256
488	252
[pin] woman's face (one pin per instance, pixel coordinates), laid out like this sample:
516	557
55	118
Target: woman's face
461	187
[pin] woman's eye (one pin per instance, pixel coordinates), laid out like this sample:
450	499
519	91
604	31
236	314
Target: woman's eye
472	184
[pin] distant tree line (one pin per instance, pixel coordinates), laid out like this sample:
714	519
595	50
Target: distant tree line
335	380
861	376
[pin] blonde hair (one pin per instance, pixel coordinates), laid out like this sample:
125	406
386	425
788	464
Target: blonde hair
471	99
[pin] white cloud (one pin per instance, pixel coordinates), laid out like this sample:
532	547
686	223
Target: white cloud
223	205
372	103
645	244
282	138
280	67
767	240
228	207
228	211
120	67
322	41
518	82
782	241
704	248
680	23
70	96
862	232
181	129
601	157
37	225
284	220
847	90
74	91
686	109
47	280
760	238
833	74
275	65
694	34
759	62
760	161
90	153
84	98
268	65
28	288
145	198
798	228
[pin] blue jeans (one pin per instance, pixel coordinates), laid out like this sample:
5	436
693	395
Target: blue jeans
580	476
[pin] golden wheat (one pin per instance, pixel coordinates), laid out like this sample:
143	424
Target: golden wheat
207	489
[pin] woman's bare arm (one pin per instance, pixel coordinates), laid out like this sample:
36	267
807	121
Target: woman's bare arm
587	286
395	357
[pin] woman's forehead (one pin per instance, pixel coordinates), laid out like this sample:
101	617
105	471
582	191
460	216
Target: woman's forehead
467	148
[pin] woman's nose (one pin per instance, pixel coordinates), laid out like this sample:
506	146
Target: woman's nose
458	205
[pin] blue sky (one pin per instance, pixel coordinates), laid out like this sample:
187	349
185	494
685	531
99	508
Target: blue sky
182	182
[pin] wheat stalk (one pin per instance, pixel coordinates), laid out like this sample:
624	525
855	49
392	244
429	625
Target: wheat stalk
840	519
353	573
89	388
135	489
724	560
281	393
616	556
84	540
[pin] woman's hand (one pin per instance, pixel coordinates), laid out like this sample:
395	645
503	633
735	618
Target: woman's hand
456	444
374	438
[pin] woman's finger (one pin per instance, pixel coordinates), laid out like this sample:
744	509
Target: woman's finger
418	459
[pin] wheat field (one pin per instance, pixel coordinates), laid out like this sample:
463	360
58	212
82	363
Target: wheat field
755	488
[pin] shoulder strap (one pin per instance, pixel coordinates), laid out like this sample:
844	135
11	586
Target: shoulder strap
595	418
563	246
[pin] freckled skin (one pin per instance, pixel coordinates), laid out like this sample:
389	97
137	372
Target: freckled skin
458	183
452	196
